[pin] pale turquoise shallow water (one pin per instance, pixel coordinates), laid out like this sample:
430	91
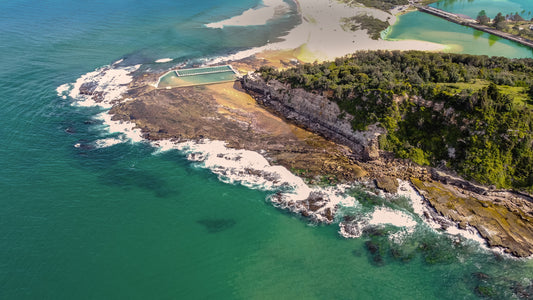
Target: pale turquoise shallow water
123	223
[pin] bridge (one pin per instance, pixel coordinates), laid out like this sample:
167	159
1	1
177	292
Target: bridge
467	21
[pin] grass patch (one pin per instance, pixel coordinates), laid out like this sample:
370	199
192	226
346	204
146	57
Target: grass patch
517	93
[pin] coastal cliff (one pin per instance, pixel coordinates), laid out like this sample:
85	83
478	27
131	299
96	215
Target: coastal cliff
316	113
504	218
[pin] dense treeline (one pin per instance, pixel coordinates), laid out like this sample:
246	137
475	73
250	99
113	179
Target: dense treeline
469	113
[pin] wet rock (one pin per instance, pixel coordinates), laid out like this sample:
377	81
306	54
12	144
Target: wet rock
523	292
315	201
375	231
375	252
357	253
388	184
84	145
463	225
88	88
485	291
217	225
353	228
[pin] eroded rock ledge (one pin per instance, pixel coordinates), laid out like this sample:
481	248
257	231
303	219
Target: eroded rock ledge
503	217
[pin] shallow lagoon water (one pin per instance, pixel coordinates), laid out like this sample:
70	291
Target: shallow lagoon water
79	220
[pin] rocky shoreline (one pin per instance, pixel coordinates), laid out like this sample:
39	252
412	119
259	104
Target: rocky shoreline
308	135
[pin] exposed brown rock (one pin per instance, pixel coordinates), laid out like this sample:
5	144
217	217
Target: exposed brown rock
388	184
501	227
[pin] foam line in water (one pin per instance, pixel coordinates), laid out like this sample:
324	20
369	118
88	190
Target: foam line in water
127	129
62	90
108	142
251	169
164	60
254	16
248	168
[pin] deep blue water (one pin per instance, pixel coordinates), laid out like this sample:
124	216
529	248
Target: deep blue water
121	222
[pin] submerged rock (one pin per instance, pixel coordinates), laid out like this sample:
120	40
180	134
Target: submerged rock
217	225
376	253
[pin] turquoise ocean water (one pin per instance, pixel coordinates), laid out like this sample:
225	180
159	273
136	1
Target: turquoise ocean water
121	222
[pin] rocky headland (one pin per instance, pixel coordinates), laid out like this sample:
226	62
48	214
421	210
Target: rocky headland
504	218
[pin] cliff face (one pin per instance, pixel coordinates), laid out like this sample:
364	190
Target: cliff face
316	113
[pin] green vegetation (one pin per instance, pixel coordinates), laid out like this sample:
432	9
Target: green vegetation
373	26
380	4
482	18
473	114
513	23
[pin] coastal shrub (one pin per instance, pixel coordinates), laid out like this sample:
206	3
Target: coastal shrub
473	114
373	26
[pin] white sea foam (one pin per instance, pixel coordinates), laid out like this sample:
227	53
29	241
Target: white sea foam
109	85
253	170
417	201
254	16
469	232
127	129
62	90
164	60
385	215
108	142
422	209
246	167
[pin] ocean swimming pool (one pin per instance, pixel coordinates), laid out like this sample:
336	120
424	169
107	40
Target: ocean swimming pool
197	76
